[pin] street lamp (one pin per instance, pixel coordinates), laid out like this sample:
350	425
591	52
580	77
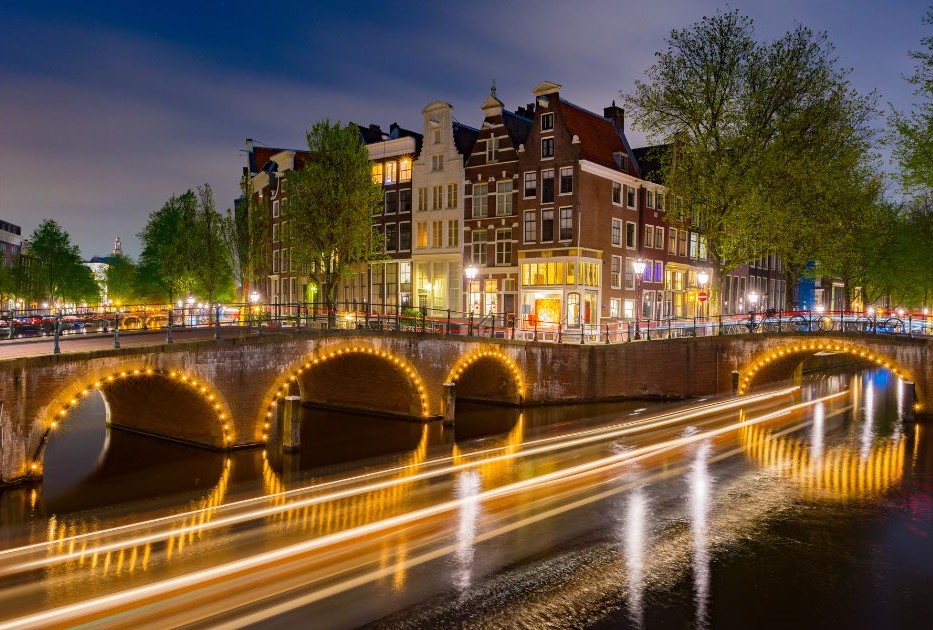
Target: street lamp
752	301
254	300
639	268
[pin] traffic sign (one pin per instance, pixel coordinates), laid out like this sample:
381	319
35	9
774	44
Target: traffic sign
702	296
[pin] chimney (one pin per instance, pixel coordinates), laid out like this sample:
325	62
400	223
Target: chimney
249	145
616	115
394	130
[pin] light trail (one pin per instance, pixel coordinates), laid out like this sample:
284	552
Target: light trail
165	588
548	444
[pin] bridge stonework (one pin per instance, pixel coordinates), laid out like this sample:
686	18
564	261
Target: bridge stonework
225	393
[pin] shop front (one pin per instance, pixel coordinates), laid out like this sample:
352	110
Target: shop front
559	290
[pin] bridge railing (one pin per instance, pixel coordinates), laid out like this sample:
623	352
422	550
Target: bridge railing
255	318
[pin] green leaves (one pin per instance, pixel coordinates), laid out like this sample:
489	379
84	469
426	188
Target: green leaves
57	272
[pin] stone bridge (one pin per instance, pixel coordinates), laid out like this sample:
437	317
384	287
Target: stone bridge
225	394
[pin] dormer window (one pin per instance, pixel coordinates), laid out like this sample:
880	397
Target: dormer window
621	160
547	122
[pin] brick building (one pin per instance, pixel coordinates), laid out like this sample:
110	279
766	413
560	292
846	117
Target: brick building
490	209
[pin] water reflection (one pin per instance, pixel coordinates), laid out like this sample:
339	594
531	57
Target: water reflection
467	486
636	516
700	484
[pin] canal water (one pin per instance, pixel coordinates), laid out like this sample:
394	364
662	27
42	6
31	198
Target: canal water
826	523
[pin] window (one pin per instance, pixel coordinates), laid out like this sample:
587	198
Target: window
566	224
437	162
547	147
391	203
566	180
275	233
547	225
660	201
422	234
437	136
629	274
531	226
422	198
405	170
649	271
547	186
504	247
275	209
659	270
503	198
694	244
547	122
672	240
630	235
437	234
615	305
452	195
615	274
377	173
659	237
479	238
531	185
453	233
275	261
404	200
404	236
617	193
682	243
649	236
617	232
649	199
390	172
391	237
480	200
437	197
492	150
629	196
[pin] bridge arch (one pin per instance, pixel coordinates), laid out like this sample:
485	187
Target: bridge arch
779	362
488	374
357	377
140	397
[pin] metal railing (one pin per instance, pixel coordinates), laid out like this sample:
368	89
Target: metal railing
259	318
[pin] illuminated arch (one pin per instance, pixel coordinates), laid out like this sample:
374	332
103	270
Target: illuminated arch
800	350
489	353
64	403
839	472
290	378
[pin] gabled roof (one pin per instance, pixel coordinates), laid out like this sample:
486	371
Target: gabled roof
599	137
464	138
518	127
259	157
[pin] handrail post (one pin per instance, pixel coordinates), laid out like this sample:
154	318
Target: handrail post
560	334
492	330
470	331
116	330
910	326
57	333
648	329
607	333
536	329
168	333
720	324
217	321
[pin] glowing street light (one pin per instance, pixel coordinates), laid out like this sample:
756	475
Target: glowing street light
703	279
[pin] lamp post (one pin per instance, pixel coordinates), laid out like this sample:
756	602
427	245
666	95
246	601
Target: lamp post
639	268
168	333
753	302
470	273
254	300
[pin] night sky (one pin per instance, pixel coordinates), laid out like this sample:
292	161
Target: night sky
109	108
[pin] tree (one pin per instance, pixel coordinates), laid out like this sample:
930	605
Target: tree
211	257
121	280
168	255
912	135
331	201
734	110
57	267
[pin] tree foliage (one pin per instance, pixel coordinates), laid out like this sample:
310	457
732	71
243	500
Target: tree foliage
330	206
765	138
121	282
56	268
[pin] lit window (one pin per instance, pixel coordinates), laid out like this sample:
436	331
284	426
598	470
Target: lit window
422	234
437	198
390	172
377	173
422	198
405	170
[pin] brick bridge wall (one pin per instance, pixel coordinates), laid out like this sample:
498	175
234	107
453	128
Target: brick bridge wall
223	393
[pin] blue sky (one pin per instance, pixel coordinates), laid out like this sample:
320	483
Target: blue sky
108	108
